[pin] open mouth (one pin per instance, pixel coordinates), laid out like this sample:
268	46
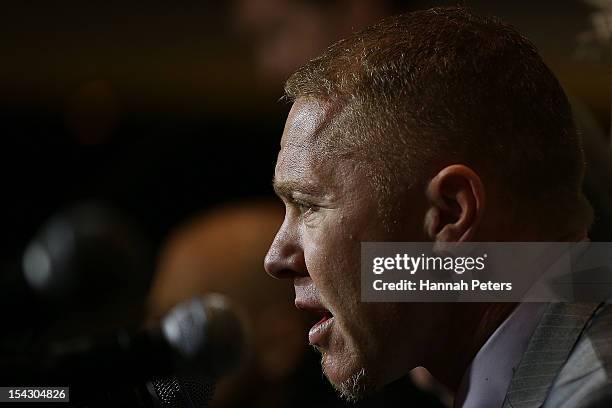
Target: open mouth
320	331
322	320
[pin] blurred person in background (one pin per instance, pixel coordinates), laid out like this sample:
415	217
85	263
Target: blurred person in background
286	33
594	44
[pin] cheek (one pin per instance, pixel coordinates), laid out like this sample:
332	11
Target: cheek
332	255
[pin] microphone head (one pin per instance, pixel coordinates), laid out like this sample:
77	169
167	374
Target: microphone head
181	391
86	254
208	333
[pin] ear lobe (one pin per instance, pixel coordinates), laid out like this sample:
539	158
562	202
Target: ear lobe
456	202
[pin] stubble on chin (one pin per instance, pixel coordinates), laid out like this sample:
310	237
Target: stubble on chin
352	389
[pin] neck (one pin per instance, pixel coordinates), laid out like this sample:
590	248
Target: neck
470	326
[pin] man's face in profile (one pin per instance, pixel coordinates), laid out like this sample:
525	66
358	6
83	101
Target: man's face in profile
330	209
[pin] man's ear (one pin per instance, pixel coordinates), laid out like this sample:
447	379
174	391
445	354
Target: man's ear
456	202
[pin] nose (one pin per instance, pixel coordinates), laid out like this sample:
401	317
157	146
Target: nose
285	258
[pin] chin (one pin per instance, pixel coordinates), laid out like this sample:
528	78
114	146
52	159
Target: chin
347	375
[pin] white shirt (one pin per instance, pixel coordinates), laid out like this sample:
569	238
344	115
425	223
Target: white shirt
486	381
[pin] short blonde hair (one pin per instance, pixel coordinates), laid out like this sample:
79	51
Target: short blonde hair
444	85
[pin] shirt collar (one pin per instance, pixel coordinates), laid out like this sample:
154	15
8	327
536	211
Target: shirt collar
486	381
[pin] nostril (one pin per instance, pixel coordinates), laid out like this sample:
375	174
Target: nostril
285	258
285	273
278	269
274	266
268	268
284	267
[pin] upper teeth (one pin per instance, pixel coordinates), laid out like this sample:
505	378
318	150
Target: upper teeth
318	327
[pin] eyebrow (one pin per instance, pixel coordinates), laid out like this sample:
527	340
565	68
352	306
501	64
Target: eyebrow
287	188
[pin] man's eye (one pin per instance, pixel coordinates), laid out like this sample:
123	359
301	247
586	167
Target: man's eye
304	207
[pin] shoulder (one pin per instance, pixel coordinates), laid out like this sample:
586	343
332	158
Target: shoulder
586	378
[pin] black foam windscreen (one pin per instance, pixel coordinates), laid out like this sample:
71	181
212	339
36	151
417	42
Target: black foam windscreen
181	391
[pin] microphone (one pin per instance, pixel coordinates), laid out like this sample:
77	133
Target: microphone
180	391
84	254
78	260
203	337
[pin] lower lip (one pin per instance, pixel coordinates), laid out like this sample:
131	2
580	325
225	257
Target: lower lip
320	331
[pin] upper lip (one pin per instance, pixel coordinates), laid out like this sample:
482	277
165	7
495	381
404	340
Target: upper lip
307	298
311	306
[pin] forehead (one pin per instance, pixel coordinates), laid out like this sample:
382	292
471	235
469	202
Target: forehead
308	163
307	118
302	157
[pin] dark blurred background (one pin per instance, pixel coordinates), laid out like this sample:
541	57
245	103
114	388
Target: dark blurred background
170	112
164	109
